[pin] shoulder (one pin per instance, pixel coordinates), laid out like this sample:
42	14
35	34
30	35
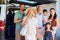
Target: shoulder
56	19
52	31
36	14
35	17
17	12
25	17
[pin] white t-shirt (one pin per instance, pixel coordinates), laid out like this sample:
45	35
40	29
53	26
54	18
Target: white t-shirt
45	18
39	18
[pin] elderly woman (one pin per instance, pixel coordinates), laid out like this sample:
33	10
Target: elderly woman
32	25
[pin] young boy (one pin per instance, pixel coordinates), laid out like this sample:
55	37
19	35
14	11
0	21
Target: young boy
45	17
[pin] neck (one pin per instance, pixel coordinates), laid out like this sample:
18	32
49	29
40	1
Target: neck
52	17
39	12
21	11
44	14
29	16
48	29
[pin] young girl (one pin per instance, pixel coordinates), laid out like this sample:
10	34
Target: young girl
32	25
48	32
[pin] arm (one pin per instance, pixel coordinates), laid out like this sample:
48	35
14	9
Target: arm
24	23
57	23
17	20
52	34
37	33
43	33
25	20
43	20
37	30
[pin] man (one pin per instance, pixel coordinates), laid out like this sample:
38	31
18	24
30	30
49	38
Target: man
39	19
18	20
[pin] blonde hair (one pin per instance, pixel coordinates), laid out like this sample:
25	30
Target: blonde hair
28	10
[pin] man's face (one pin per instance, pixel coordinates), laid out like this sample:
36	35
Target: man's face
22	7
39	9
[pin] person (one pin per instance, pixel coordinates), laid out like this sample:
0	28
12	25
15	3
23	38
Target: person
32	24
18	18
53	19
48	34
45	17
39	17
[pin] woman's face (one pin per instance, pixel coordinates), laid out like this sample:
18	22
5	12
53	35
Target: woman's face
48	26
52	12
31	12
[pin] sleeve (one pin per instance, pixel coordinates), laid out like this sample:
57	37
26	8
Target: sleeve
16	15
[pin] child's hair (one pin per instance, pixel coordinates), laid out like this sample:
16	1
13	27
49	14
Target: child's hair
45	10
49	24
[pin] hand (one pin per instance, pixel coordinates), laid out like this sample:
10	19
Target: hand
38	36
44	20
25	22
21	19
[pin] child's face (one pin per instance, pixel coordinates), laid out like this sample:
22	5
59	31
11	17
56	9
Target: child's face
45	13
48	25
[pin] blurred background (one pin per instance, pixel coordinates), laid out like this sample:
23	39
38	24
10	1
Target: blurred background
8	7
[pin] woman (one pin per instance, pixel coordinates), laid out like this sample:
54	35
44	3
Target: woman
32	25
53	19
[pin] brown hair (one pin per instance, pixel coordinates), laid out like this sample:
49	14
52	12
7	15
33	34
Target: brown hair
38	7
22	4
55	15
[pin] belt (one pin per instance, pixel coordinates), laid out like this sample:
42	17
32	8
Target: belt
40	28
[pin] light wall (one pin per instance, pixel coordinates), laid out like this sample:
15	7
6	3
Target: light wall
3	12
58	13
